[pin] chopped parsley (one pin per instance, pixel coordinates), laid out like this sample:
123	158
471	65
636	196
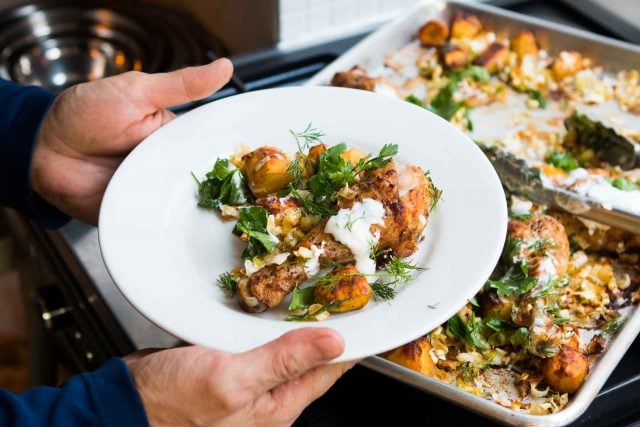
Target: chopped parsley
252	222
223	185
301	298
563	160
623	184
468	331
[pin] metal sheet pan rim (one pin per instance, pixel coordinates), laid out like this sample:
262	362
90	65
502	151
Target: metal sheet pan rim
602	370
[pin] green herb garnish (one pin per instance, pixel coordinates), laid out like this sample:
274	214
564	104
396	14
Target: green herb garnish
467	331
301	298
227	282
252	221
223	185
563	160
623	184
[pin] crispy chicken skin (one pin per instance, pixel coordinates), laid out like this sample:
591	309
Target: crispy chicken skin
405	219
546	229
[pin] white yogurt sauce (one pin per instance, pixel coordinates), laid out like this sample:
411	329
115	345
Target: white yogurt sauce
599	189
352	228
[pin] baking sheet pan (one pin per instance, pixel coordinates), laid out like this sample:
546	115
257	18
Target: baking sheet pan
614	56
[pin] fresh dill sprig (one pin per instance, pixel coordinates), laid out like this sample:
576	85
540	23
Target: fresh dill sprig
376	252
402	270
307	137
227	282
383	290
296	170
304	140
434	192
351	221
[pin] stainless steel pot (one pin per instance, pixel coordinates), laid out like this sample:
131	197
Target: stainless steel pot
58	44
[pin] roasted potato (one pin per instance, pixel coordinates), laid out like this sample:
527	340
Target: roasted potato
493	57
414	355
348	287
565	371
524	43
353	155
465	25
454	56
265	170
356	78
566	64
433	33
496	306
312	159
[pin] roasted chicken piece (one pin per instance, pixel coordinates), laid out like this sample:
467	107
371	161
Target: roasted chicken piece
545	245
405	195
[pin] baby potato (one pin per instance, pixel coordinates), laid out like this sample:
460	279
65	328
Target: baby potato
493	57
455	56
433	33
353	155
265	170
349	287
566	64
312	159
524	43
465	25
565	371
415	356
496	306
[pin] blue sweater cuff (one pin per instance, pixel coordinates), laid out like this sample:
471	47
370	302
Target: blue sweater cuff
106	397
116	398
22	110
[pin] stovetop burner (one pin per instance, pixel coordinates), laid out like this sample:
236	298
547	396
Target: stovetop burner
58	44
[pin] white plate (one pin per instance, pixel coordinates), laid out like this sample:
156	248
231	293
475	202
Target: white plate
165	253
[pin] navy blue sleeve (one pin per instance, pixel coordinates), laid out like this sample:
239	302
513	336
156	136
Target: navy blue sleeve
105	397
22	110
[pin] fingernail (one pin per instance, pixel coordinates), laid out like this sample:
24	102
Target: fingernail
328	347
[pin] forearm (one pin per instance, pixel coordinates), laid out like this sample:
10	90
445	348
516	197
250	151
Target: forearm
22	110
106	397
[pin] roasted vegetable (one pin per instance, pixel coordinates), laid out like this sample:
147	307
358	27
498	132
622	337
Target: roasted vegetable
494	57
464	25
353	155
415	356
454	56
433	33
356	78
566	64
348	289
565	371
496	306
524	43
265	170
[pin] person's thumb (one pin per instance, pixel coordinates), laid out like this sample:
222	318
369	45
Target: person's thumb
287	358
165	90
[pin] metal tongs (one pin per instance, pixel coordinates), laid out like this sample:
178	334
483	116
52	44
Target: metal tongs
520	178
608	145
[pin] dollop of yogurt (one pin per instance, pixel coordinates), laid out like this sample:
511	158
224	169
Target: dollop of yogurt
352	228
